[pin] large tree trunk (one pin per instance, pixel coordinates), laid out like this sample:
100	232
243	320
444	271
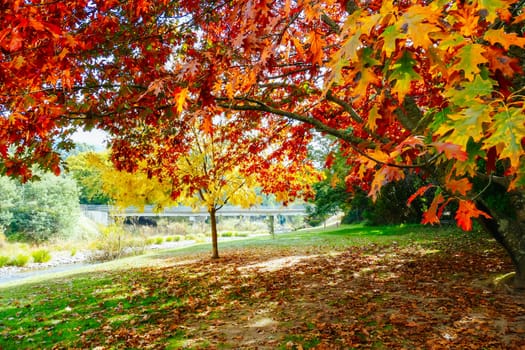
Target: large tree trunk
509	230
214	240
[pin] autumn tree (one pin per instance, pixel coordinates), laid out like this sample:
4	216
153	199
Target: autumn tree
434	88
224	165
411	86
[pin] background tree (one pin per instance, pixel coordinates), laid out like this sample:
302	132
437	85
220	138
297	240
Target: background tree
124	189
10	196
46	208
87	177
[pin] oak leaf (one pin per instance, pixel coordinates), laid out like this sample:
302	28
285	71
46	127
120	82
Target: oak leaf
470	56
461	186
403	75
506	40
421	191
431	215
466	211
450	150
507	131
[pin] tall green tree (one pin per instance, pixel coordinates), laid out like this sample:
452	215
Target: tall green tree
46	208
9	198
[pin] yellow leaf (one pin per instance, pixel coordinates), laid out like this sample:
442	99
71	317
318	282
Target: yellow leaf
367	77
373	116
181	99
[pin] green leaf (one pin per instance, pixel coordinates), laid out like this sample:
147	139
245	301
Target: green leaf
403	74
507	132
469	57
492	7
390	35
465	93
466	124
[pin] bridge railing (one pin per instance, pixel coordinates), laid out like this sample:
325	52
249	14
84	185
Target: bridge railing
150	210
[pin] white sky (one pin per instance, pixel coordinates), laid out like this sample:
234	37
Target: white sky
94	137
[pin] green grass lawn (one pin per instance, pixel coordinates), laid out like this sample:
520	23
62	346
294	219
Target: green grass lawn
346	287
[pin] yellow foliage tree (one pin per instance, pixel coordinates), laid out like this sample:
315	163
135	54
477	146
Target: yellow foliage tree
221	167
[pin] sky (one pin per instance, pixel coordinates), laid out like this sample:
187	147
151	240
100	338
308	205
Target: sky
94	137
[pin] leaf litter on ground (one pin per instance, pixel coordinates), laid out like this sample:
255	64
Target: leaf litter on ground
437	295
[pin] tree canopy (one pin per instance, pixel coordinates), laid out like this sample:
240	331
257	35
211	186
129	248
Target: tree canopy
434	87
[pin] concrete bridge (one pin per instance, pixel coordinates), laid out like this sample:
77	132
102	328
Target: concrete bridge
103	214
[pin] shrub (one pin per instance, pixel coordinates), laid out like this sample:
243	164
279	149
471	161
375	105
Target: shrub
3	260
159	240
19	261
177	238
226	234
178	228
114	242
169	239
241	234
47	208
41	256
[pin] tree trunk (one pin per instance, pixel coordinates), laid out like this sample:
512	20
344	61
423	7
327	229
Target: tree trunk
509	230
214	240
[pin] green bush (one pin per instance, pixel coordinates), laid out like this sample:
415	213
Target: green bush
226	234
241	234
169	239
177	238
159	240
46	208
41	256
20	260
3	260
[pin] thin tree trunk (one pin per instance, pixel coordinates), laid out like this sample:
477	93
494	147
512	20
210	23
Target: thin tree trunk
214	240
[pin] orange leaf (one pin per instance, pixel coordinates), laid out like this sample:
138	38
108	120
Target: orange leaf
462	186
466	211
504	39
418	193
430	216
316	47
207	124
385	175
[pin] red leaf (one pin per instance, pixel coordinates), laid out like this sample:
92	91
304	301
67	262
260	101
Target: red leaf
451	150
491	160
466	211
418	193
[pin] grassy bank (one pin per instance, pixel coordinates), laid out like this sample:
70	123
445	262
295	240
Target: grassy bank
382	288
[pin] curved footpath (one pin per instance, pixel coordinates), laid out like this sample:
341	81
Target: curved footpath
62	261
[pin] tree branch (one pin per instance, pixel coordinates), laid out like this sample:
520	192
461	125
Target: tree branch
345	135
